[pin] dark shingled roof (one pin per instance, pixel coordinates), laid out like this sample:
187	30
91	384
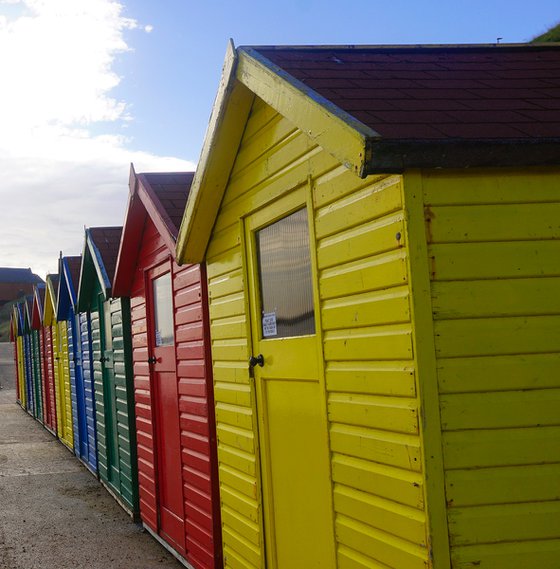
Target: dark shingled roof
54	279
439	92
74	266
172	190
42	291
14	275
107	241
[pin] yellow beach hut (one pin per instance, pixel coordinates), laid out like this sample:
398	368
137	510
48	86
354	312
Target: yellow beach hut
18	343
381	232
59	339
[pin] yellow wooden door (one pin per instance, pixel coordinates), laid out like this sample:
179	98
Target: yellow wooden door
287	368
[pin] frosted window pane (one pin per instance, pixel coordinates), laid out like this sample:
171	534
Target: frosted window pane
285	278
163	310
107	326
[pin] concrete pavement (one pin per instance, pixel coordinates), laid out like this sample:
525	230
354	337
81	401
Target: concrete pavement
53	513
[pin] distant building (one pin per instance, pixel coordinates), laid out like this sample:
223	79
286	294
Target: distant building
16	282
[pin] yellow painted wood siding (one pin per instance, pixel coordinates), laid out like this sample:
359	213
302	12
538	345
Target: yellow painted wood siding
370	376
494	254
21	371
372	404
66	430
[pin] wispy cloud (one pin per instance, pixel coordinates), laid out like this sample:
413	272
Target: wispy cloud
57	176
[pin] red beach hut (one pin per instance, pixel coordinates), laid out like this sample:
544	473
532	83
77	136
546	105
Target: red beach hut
177	465
13	339
46	355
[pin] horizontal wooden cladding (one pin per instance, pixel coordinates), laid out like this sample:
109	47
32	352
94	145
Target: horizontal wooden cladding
227	306
371	377
367	309
505	523
495	298
230	328
399	520
394	484
267	180
238	551
381	447
503	222
194	405
498	373
483	448
263	191
494	260
337	182
373	237
516	409
383	549
379	198
242	482
534	554
497	336
372	273
223	285
503	485
372	343
231	371
224	264
506	186
395	414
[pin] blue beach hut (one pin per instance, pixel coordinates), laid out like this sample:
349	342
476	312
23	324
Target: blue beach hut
25	329
79	345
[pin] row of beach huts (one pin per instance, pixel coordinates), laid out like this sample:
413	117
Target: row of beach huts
337	343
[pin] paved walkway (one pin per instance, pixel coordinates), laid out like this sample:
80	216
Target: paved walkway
53	513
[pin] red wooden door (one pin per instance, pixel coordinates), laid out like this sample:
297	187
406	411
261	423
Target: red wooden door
171	517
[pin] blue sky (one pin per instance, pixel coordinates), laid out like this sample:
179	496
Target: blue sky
90	86
173	73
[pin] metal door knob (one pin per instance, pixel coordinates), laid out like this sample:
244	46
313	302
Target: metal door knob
152	360
254	361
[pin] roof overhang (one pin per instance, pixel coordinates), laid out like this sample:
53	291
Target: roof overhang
66	296
92	268
37	314
247	73
142	203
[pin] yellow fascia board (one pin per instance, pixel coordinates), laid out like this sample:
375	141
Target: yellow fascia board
245	74
336	131
49	303
225	129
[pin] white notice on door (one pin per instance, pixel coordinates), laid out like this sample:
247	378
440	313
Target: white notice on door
269	324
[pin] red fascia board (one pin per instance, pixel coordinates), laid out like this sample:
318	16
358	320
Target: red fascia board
157	213
142	202
36	315
129	246
12	324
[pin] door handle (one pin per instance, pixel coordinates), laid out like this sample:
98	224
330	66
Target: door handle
256	361
152	360
103	359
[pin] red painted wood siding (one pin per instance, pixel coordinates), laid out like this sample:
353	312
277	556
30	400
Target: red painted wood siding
196	406
48	378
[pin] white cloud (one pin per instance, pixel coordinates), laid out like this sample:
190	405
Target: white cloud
57	77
